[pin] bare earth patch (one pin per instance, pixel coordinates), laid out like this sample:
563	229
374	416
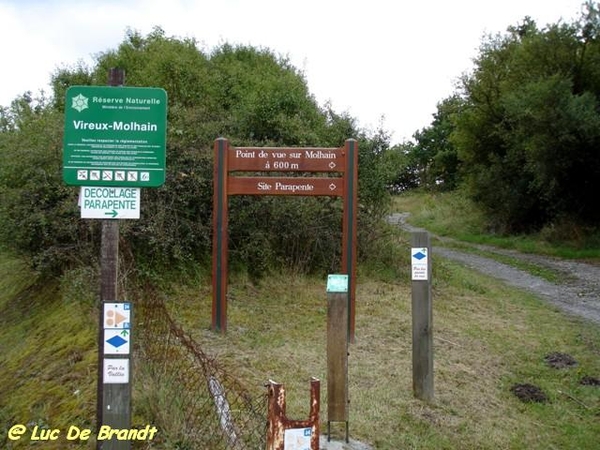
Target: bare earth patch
558	360
589	381
529	393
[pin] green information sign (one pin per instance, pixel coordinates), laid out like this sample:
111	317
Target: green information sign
115	136
337	283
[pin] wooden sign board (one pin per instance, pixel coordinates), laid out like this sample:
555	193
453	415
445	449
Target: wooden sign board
337	170
257	159
285	186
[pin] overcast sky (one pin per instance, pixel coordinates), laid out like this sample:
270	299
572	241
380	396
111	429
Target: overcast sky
371	58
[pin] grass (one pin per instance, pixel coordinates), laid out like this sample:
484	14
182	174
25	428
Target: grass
530	267
487	337
453	215
48	354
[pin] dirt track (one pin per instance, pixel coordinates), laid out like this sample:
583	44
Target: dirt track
578	293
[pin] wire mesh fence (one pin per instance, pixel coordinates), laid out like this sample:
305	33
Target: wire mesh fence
193	401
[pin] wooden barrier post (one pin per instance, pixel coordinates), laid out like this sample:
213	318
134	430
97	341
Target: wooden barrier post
220	235
422	316
337	351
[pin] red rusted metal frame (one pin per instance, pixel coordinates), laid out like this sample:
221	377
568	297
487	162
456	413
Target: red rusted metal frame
277	422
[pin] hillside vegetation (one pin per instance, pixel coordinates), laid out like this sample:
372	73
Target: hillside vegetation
48	350
453	214
519	137
520	134
251	97
487	337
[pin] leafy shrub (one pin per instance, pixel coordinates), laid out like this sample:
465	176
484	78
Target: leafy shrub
248	95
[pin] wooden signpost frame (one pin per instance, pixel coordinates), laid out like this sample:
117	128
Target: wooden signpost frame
229	159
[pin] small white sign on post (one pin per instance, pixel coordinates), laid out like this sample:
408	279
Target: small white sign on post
297	439
117	315
109	202
116	371
419	263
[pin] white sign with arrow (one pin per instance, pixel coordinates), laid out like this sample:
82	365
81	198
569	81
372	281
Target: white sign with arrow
109	202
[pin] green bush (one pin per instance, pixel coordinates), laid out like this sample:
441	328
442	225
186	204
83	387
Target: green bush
529	127
248	95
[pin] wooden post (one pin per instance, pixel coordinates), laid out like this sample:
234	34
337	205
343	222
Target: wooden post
109	270
220	235
349	225
337	351
114	400
422	316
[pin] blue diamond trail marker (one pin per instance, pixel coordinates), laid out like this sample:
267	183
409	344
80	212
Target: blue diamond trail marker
116	341
419	255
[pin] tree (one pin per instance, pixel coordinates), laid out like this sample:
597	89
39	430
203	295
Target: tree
248	95
528	132
434	155
403	167
38	212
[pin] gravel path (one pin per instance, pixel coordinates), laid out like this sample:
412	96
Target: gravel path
578	293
